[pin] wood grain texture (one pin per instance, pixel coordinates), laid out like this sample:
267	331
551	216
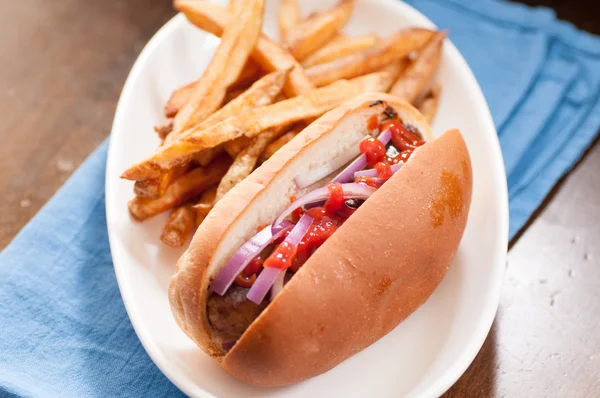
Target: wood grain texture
62	66
545	340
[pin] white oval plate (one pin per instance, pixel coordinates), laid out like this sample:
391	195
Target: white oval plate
423	356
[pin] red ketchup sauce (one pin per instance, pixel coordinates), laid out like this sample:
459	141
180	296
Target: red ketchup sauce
282	257
247	277
337	209
373	149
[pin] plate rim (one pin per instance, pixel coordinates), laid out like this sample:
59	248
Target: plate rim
461	363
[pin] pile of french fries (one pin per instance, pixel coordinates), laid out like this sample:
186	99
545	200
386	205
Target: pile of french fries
256	95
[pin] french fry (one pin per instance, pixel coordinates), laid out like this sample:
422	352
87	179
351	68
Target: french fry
256	121
207	156
245	161
179	98
392	49
277	145
418	77
185	188
429	106
261	93
289	18
238	40
337	39
181	95
315	32
340	48
396	69
249	74
164	129
233	94
205	204
269	55
231	6
155	187
180	223
234	147
147	189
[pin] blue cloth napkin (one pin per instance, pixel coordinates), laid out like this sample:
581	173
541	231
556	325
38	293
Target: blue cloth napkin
63	328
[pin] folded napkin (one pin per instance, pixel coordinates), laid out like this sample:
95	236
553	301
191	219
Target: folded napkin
63	328
541	79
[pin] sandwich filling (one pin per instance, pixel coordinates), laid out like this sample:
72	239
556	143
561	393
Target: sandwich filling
264	264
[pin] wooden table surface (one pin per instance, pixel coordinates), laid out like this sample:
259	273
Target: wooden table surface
62	66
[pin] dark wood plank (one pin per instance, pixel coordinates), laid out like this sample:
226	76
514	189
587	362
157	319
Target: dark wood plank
584	13
62	66
545	341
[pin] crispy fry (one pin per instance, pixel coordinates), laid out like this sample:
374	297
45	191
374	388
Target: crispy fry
178	227
205	204
261	93
396	69
179	98
277	145
207	156
164	129
181	95
419	75
234	147
315	32
371	59
231	4
289	18
249	74
149	189
153	188
245	161
185	188
256	121
270	56
337	39
225	66
233	94
430	104
340	48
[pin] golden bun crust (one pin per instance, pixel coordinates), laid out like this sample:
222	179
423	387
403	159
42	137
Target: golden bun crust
358	285
379	267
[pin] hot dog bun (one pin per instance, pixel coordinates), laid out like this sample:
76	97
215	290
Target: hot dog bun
380	265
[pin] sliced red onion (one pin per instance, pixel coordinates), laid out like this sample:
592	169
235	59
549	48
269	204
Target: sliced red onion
311	177
361	162
351	191
377	180
263	283
277	285
269	275
244	255
298	232
348	173
373	172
